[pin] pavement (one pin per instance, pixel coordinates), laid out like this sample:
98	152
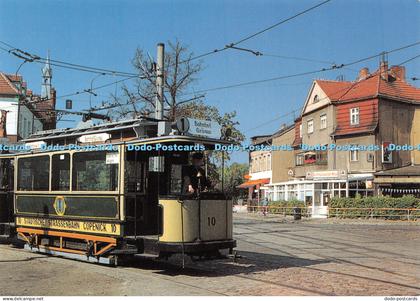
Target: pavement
279	257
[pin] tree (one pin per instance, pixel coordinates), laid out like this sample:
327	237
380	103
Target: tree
180	73
233	177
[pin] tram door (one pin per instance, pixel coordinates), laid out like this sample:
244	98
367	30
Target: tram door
141	194
6	190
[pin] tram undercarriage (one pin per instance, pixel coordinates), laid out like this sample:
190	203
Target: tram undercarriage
195	226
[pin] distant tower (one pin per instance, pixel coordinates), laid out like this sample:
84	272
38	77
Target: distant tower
47	76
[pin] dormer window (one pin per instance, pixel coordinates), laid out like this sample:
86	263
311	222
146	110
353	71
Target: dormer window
316	99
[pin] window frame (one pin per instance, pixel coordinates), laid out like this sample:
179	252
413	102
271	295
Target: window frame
73	176
323	117
300	158
354	151
18	173
356	113
310	121
52	169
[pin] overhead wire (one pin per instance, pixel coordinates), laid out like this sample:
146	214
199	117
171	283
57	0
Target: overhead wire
246	38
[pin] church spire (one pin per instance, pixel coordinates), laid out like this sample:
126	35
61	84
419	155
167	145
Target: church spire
47	76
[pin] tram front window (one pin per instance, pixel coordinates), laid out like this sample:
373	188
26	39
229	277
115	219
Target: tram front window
185	174
33	173
195	176
92	172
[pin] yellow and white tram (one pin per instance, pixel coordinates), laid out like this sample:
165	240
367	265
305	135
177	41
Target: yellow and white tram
112	190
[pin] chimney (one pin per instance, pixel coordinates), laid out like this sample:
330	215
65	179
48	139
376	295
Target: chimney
383	69
51	120
53	99
363	73
398	72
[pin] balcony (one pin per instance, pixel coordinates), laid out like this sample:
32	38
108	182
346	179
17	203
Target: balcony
312	158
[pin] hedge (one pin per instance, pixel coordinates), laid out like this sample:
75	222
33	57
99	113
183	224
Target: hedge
289	204
408	202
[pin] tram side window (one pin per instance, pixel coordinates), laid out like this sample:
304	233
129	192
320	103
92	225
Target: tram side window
60	178
6	174
33	173
135	172
92	172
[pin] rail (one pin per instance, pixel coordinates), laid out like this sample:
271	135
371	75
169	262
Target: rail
388	213
305	211
384	213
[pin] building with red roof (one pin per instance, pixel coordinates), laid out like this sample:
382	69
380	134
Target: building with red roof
23	112
344	139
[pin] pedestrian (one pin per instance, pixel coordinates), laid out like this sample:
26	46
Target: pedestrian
264	204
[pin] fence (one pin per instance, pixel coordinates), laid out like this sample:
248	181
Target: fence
384	213
279	210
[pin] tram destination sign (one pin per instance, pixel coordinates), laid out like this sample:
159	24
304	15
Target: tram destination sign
70	225
204	128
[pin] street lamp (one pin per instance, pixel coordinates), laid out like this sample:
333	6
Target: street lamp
91	88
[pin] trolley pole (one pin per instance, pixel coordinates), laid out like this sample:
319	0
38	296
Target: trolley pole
159	81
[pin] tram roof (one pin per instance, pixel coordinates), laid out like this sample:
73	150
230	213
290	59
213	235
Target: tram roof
120	126
100	128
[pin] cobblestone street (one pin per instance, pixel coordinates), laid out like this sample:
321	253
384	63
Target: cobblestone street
279	257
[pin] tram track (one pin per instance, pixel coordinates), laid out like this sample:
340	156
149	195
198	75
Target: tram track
334	259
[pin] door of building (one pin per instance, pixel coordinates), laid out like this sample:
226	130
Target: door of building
320	204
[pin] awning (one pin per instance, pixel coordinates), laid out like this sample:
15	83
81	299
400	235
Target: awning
252	183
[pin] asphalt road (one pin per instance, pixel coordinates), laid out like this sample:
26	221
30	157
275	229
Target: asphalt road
279	257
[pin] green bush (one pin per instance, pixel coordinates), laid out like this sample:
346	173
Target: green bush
289	204
374	202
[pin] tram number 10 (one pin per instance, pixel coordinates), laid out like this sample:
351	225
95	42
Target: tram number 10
211	221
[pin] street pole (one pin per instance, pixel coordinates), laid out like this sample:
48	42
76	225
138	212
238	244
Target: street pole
159	81
91	88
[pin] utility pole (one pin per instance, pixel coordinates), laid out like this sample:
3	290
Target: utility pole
159	81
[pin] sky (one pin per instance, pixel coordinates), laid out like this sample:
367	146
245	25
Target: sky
106	33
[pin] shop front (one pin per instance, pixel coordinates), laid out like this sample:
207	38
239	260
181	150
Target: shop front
398	182
257	190
317	189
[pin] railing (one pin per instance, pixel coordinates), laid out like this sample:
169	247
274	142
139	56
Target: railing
278	210
386	213
380	213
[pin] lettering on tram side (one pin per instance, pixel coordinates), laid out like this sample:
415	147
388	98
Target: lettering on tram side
79	226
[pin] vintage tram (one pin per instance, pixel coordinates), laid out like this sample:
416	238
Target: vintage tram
114	190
